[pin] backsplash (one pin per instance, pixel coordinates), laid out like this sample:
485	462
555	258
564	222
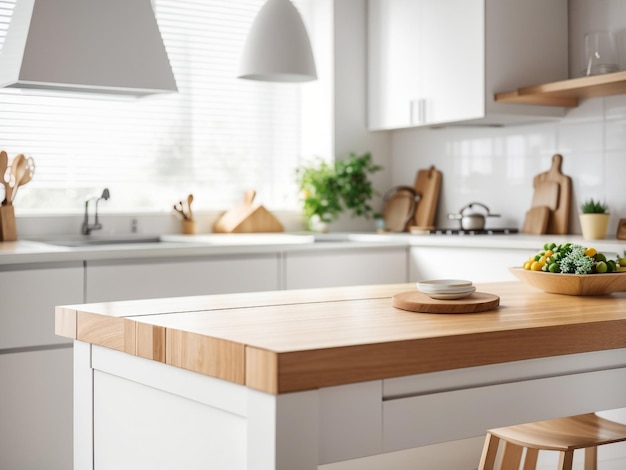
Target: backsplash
496	166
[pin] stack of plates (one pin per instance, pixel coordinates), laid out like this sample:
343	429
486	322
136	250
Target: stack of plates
446	289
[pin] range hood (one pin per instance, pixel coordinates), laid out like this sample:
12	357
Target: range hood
98	46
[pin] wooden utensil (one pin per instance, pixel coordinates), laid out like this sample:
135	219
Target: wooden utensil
427	187
11	177
536	220
4	163
30	171
20	169
189	201
558	222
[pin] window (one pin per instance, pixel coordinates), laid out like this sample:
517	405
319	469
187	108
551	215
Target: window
218	137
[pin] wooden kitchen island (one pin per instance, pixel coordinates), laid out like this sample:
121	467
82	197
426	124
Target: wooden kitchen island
293	380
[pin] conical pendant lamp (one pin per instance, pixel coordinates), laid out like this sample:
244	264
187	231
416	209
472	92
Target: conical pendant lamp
278	48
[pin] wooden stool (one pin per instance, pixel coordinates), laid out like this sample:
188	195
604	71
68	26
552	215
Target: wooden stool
563	435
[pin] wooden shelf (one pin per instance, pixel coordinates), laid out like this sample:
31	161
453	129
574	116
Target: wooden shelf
567	93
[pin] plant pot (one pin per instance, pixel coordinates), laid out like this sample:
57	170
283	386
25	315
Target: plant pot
594	226
316	224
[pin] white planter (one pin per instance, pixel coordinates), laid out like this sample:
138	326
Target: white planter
594	226
316	224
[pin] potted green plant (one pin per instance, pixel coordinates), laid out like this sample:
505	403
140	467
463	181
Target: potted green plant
327	189
594	219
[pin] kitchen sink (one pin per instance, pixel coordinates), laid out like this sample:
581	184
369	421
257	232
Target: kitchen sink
233	239
100	240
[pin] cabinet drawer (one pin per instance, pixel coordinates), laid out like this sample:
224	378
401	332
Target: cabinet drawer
350	267
149	279
28	300
414	421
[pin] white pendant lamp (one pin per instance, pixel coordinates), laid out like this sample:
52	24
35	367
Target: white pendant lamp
278	48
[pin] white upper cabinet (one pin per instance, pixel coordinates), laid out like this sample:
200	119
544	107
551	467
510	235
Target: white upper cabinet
435	62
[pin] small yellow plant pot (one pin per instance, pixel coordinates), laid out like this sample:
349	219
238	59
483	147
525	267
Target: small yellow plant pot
594	226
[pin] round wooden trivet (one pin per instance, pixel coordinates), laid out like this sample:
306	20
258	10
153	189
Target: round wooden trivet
416	301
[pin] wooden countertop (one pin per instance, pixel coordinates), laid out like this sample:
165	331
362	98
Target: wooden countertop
296	340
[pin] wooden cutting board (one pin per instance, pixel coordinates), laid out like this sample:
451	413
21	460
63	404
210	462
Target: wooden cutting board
427	187
415	301
621	229
559	219
536	220
399	208
248	217
546	194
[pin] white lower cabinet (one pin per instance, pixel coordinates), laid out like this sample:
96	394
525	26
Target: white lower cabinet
346	267
36	409
36	366
431	421
147	279
474	264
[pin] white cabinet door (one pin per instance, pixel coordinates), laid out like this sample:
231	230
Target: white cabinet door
474	264
441	62
426	62
394	63
347	267
36	410
453	56
28	300
147	279
35	370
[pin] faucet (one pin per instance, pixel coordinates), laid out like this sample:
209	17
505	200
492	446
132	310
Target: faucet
87	228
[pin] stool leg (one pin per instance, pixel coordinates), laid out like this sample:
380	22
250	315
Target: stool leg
512	456
490	449
530	461
591	458
566	458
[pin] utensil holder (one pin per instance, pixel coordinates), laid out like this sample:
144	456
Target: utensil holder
189	227
8	231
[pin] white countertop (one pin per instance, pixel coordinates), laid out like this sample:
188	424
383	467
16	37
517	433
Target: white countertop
26	251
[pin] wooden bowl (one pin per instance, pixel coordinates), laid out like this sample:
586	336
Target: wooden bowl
573	284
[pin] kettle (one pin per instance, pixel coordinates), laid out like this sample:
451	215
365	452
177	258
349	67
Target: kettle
470	219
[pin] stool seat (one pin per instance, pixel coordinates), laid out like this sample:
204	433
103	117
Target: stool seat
564	435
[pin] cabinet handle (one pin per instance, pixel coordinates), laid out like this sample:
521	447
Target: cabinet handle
418	111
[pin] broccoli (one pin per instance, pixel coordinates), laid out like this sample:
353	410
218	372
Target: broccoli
576	261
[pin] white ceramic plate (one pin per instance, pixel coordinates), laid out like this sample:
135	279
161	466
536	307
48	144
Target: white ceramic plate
440	296
451	290
448	286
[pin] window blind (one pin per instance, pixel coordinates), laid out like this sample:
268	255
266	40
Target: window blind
217	137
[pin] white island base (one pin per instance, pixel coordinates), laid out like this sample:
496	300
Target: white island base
134	413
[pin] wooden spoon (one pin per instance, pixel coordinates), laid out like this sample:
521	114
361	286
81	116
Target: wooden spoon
4	163
10	178
30	171
19	167
189	201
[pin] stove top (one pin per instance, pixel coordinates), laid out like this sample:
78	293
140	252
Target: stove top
491	231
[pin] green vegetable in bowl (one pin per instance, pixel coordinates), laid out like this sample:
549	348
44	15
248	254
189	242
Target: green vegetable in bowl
576	261
569	258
